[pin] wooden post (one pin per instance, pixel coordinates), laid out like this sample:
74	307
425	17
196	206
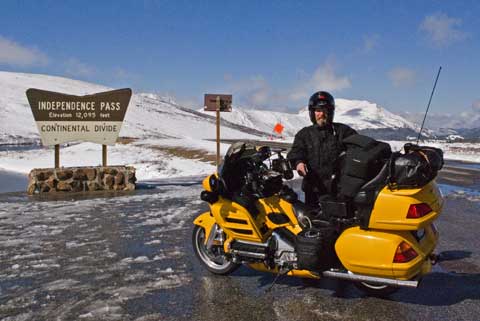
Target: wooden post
218	133
57	156
104	155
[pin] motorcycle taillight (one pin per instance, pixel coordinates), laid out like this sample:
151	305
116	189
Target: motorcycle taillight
405	253
418	210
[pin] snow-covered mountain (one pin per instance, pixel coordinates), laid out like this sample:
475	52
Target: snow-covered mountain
152	116
364	116
148	116
464	125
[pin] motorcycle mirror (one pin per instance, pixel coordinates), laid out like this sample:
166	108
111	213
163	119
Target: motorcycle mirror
213	181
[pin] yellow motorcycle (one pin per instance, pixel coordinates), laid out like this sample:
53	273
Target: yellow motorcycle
381	239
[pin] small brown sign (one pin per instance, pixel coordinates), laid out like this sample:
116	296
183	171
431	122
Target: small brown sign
214	101
95	118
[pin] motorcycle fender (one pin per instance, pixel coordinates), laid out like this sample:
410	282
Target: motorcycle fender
206	221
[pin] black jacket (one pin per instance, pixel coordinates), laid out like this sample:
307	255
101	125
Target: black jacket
319	148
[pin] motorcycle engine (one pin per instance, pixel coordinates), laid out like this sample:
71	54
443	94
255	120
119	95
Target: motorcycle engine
278	251
284	255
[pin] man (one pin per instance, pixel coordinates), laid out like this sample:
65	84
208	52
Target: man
316	148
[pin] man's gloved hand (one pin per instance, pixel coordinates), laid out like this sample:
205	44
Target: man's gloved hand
302	169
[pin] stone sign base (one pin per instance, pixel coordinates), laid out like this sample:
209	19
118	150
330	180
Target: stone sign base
81	179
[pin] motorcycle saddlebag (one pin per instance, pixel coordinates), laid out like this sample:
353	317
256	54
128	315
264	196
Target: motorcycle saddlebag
315	248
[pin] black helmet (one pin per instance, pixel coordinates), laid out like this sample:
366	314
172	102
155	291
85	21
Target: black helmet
321	100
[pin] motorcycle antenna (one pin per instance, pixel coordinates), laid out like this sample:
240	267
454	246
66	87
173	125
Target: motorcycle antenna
429	101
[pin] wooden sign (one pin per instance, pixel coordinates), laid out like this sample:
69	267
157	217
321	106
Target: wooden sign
62	118
218	101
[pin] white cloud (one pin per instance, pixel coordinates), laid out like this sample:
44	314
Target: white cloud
325	77
261	92
442	30
12	53
256	92
402	77
76	68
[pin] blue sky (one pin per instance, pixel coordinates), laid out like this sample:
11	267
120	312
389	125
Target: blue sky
268	54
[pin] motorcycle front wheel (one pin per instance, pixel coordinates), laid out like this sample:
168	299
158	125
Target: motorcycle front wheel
214	259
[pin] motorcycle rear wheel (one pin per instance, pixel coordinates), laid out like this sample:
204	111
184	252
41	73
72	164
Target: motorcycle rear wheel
376	290
214	260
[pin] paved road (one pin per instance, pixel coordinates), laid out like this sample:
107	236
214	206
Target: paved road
129	257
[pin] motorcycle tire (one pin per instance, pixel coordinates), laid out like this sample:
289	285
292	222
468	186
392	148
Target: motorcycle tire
214	260
376	290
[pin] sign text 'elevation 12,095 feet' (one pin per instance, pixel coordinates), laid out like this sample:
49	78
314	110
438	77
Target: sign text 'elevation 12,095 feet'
94	118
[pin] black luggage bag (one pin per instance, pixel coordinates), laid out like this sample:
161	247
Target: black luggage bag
364	158
416	168
315	248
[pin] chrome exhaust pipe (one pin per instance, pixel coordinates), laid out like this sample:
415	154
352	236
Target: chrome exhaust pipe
370	279
253	255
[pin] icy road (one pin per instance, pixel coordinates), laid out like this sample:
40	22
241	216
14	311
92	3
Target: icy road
129	257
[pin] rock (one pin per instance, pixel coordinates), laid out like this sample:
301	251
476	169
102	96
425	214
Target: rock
118	187
32	174
32	188
109	180
41	176
93	186
81	179
79	174
100	175
110	170
129	187
130	174
119	178
91	173
52	182
63	186
44	188
77	186
64	174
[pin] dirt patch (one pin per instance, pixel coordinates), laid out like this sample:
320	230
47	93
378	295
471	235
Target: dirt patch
126	140
198	154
